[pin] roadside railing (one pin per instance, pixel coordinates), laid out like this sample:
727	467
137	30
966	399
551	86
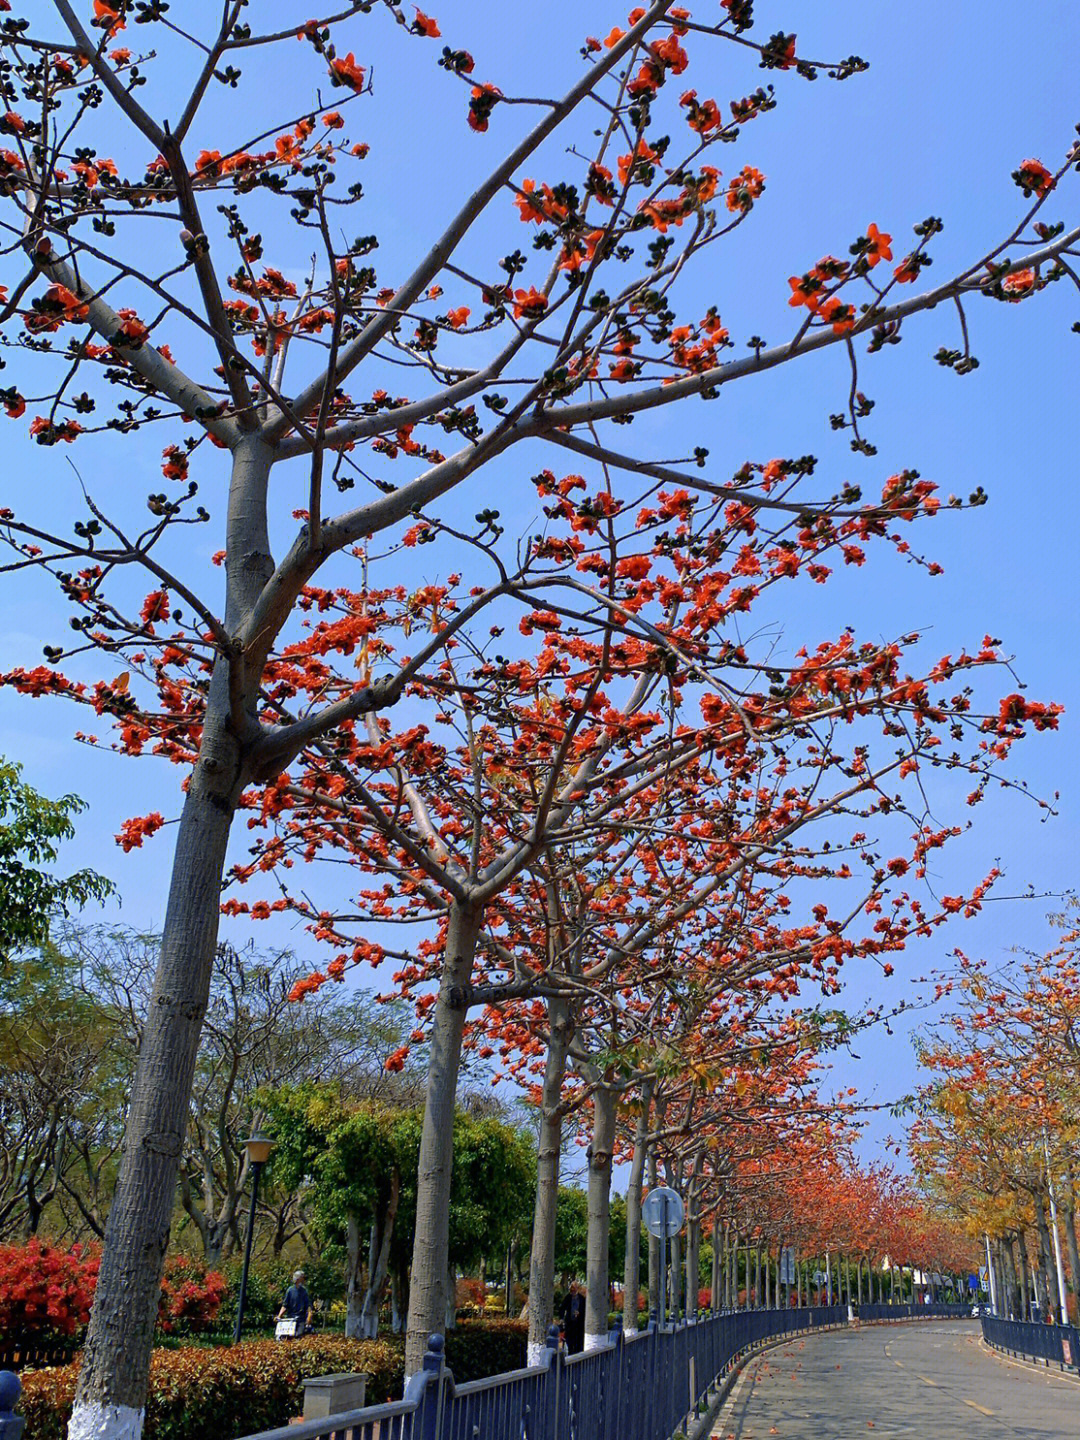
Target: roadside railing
635	1387
1052	1344
912	1311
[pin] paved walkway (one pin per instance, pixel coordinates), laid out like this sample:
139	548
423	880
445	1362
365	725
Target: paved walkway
929	1379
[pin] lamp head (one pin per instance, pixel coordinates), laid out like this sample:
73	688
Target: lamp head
258	1148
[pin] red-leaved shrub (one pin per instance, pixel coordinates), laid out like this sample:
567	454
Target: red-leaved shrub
45	1289
191	1295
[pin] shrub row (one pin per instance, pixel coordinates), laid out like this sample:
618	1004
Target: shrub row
234	1391
46	1293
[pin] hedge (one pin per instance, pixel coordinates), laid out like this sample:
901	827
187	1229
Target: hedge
234	1391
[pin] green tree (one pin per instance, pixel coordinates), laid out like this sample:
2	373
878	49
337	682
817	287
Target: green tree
357	1162
571	1233
63	1086
32	829
255	1039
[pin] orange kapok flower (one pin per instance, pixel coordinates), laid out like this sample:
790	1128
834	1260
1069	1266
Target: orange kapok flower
839	314
425	25
1018	284
108	17
1034	178
529	304
345	71
880	247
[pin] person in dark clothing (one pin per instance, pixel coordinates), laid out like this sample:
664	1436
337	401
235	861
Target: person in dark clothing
573	1318
297	1304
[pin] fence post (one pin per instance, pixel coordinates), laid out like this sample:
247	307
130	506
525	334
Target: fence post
650	1404
613	1389
425	1390
553	1360
11	1425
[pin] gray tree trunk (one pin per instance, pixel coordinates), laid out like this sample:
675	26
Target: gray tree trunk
693	1265
1068	1215
549	1145
1013	1291
111	1392
431	1241
597	1286
714	1281
1046	1258
747	1275
1025	1275
632	1265
382	1235
451	1297
352	1275
757	1276
399	1300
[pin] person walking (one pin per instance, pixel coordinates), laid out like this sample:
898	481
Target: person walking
297	1304
573	1319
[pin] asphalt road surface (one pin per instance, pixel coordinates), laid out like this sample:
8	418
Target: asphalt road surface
929	1379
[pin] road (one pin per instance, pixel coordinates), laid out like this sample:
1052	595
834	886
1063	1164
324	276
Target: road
925	1379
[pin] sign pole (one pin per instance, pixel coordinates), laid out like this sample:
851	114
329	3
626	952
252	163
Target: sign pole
664	1287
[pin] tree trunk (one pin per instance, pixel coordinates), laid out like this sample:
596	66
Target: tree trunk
549	1145
1069	1219
714	1279
399	1299
111	1392
597	1288
1046	1261
693	1265
1025	1275
382	1235
1010	1279
352	1275
116	1358
757	1276
632	1265
431	1241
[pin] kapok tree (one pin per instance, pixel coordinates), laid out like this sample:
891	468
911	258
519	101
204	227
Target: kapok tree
579	781
995	1136
553	346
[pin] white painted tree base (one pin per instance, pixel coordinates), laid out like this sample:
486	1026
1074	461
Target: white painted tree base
105	1422
534	1352
595	1342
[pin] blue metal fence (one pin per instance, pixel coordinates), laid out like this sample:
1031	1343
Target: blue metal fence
1053	1344
636	1387
912	1311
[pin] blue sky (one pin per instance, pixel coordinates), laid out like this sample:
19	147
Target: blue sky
954	100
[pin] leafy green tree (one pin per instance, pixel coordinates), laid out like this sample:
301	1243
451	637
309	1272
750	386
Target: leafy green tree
63	1087
32	829
254	1039
357	1161
571	1233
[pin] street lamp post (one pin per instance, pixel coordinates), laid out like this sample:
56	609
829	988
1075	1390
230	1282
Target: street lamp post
257	1148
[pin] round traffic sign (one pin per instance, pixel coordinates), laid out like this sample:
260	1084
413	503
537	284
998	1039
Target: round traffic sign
663	1212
